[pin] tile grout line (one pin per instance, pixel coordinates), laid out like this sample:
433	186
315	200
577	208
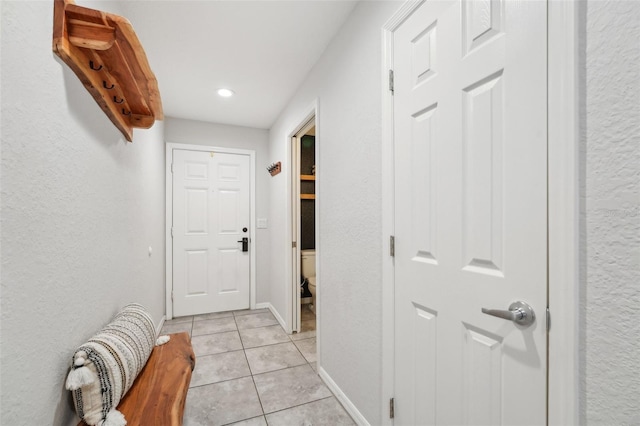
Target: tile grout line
252	374
303	357
237	330
216	319
217	332
270	344
260	326
243	420
221	381
244	351
306	403
211	319
266	372
281	369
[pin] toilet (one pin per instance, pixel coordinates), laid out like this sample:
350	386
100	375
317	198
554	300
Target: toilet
308	265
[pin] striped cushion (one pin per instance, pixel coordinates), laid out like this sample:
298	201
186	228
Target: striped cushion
105	367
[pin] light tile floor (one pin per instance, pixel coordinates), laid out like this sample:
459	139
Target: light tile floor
250	372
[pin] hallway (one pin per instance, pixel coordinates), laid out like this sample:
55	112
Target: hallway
250	372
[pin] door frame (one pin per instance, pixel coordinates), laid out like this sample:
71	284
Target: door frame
296	210
306	114
563	210
169	217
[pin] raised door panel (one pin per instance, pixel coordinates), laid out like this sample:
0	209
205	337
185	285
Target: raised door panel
482	21
482	376
483	176
423	184
425	366
228	276
196	211
196	272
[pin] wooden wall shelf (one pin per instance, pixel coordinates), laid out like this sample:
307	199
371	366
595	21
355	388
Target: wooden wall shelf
104	52
307	177
307	196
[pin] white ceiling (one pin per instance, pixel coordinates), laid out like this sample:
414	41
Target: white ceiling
260	49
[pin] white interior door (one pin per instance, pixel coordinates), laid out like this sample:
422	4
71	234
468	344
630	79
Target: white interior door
471	212
295	231
211	216
296	211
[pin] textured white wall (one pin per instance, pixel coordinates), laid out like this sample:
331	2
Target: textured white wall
347	83
179	130
80	207
611	212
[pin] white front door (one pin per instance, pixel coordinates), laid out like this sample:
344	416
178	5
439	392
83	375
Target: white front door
470	140
211	216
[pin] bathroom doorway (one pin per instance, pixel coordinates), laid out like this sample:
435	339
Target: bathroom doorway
304	227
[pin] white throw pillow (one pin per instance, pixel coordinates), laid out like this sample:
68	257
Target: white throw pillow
104	368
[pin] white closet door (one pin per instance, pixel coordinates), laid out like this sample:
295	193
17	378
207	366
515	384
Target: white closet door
471	212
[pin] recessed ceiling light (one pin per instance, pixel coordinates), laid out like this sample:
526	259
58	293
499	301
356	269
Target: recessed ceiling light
225	93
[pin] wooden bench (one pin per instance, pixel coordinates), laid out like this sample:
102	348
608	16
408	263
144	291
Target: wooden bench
158	394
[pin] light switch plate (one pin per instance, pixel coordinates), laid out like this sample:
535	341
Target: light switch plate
262	223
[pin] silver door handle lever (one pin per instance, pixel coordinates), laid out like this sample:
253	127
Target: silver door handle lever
519	312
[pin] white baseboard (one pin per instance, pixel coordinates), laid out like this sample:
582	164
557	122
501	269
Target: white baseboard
160	325
346	402
275	313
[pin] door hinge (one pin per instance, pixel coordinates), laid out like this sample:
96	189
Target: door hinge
172	297
392	246
171	167
392	408
548	320
391	83
294	244
172	232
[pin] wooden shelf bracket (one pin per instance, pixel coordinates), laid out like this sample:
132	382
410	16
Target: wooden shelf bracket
104	52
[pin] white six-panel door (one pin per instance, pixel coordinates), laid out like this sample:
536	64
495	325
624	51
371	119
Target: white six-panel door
471	212
211	216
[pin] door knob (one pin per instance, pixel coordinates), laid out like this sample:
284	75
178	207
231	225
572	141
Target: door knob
519	312
245	244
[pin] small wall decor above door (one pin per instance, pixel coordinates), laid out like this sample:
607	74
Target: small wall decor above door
104	52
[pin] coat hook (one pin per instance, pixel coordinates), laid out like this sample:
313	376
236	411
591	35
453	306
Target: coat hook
125	113
95	69
274	168
115	99
104	83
